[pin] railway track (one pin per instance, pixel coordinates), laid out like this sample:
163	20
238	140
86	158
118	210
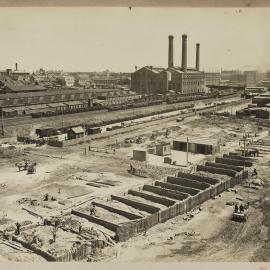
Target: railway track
86	116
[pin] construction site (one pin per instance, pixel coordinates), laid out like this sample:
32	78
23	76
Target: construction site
173	167
159	191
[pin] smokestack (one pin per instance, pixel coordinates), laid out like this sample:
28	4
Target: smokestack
198	56
184	52
170	56
16	66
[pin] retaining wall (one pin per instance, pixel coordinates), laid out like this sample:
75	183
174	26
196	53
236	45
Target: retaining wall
111	226
118	211
232	161
199	178
166	192
190	191
137	205
153	198
224	166
213	169
187	182
233	156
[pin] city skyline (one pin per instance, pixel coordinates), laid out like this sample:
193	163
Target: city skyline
118	39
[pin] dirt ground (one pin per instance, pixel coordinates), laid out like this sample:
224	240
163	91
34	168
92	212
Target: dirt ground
67	175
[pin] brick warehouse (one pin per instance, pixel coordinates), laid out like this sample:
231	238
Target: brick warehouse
182	79
59	100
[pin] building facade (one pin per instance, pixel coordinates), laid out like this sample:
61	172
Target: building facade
150	80
191	81
250	78
159	80
212	78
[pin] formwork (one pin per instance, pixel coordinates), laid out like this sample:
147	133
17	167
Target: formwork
233	161
179	194
187	182
224	166
153	198
183	189
213	169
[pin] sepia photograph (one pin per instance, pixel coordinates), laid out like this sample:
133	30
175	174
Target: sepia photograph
134	134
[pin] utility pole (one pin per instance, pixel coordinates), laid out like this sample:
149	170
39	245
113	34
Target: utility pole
187	151
62	117
245	137
2	118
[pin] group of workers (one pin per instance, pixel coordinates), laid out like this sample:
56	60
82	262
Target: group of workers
239	209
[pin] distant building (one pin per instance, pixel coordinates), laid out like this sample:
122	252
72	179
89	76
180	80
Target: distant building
82	80
233	76
159	80
250	78
69	80
150	80
190	81
212	78
75	133
18	75
163	149
106	82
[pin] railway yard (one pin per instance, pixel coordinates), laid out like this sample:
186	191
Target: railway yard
113	198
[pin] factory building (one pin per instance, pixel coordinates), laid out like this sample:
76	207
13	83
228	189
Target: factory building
251	78
212	78
182	79
59	100
149	80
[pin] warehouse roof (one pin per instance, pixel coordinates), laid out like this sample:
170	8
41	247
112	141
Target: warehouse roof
7	110
77	130
197	140
38	106
180	70
53	92
54	105
73	102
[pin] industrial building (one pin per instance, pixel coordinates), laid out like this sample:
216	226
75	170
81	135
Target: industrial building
212	78
59	100
251	78
197	145
182	79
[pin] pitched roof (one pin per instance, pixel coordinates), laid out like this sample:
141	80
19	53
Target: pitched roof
77	130
23	88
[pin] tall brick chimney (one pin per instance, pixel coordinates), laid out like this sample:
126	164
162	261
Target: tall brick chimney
184	52
16	66
198	56
170	56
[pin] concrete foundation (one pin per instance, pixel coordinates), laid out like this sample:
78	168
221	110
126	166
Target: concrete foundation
232	161
152	198
224	166
187	182
187	190
166	192
137	205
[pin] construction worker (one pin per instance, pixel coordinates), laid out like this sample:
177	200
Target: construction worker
236	208
92	209
25	164
254	172
241	208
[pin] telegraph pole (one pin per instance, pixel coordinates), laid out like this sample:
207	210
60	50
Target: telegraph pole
2	118
187	151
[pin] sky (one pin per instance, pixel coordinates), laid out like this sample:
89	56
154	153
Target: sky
118	39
